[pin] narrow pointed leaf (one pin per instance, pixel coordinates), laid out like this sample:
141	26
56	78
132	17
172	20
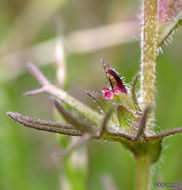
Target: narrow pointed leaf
80	125
166	133
142	122
49	126
105	121
101	101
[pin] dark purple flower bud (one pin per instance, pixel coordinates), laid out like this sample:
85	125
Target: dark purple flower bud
115	81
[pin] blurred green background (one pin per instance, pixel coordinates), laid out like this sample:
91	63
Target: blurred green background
29	31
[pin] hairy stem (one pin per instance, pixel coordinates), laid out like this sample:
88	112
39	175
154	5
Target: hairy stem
142	172
148	55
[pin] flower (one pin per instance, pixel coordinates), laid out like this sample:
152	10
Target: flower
121	119
116	84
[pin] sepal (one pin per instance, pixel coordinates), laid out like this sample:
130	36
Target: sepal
125	117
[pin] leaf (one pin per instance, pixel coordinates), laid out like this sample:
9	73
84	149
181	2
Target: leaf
80	125
101	101
170	15
166	133
141	125
49	126
105	121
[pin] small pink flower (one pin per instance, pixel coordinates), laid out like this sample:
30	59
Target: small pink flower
105	89
108	95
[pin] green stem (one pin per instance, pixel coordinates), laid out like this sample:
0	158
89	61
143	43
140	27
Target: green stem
142	172
149	48
80	108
